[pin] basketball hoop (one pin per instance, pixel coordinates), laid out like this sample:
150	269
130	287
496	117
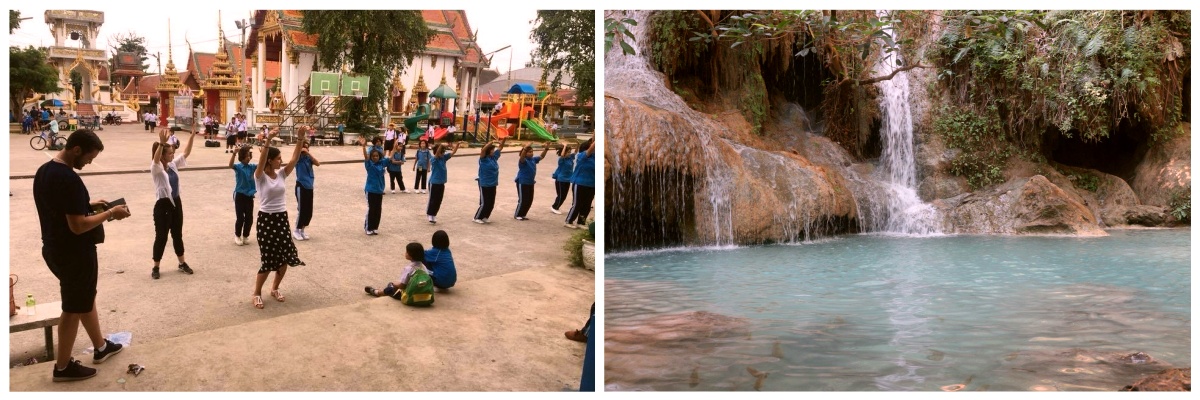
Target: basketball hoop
357	94
326	92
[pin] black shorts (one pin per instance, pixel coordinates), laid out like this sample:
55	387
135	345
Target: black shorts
230	140
241	135
76	270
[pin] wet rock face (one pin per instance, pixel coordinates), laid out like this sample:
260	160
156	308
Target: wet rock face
1032	206
1171	380
1167	167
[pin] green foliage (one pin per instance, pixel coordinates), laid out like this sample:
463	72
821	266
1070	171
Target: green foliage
29	73
371	42
671	38
984	152
753	103
574	245
1078	72
14	21
1181	204
566	44
616	31
1085	181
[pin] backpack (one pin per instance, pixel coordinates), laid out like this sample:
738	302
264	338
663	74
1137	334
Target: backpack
419	291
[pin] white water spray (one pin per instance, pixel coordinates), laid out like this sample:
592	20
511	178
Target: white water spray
903	212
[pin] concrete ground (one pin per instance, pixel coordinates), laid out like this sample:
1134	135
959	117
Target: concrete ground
499	329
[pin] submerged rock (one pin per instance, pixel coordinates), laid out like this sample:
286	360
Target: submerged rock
1032	206
1171	380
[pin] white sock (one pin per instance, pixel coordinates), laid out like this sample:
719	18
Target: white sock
102	347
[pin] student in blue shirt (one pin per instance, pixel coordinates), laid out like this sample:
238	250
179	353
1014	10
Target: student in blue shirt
526	171
562	177
243	194
305	177
395	169
422	168
437	179
583	185
375	163
440	262
489	178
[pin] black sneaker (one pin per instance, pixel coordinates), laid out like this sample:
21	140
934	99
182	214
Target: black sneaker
110	348
370	291
75	371
154	273
184	267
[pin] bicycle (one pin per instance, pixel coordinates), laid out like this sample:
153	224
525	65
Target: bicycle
46	137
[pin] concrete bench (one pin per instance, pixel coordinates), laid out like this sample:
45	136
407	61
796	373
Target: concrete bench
46	316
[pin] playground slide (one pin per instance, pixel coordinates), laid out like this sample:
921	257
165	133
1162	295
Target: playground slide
508	111
415	132
538	130
439	132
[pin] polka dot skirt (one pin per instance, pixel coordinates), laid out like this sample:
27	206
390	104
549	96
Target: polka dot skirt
275	244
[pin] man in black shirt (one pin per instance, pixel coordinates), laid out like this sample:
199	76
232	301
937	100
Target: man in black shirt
70	231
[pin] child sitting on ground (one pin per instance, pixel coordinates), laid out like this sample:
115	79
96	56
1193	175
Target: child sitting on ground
440	263
415	254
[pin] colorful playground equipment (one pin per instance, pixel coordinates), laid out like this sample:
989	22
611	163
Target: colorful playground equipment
515	111
411	123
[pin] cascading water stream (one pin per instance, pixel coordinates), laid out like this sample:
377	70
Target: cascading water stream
903	211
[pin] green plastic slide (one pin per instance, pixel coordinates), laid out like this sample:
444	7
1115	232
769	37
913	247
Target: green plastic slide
415	132
538	130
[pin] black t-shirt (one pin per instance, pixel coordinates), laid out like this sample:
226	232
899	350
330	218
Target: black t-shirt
58	192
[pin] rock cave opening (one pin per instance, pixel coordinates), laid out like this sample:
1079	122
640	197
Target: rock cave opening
1118	154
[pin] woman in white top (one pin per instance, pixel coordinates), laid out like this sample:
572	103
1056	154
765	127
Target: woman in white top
168	210
275	246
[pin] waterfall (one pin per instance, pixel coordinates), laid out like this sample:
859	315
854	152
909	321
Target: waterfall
695	178
901	210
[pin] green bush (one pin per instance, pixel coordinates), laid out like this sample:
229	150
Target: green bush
984	153
574	245
1181	204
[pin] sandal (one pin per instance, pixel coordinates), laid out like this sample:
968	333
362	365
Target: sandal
370	291
278	296
576	335
258	303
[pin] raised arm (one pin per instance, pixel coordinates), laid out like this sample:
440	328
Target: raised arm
362	141
262	160
455	149
545	149
232	157
162	143
295	152
591	148
187	149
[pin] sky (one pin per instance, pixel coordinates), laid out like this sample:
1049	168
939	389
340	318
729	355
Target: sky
497	27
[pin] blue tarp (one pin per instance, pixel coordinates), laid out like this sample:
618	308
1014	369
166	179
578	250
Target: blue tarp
522	88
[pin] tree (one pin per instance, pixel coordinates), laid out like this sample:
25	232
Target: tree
128	42
14	21
77	83
566	42
372	43
28	74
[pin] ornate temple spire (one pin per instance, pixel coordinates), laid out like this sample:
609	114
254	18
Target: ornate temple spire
223	76
170	79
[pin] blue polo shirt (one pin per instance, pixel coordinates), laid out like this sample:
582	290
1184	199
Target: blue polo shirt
375	175
244	175
438	174
526	170
397	160
422	159
489	170
440	264
304	172
566	166
585	170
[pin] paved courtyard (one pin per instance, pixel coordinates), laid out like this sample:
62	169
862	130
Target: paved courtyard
500	328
